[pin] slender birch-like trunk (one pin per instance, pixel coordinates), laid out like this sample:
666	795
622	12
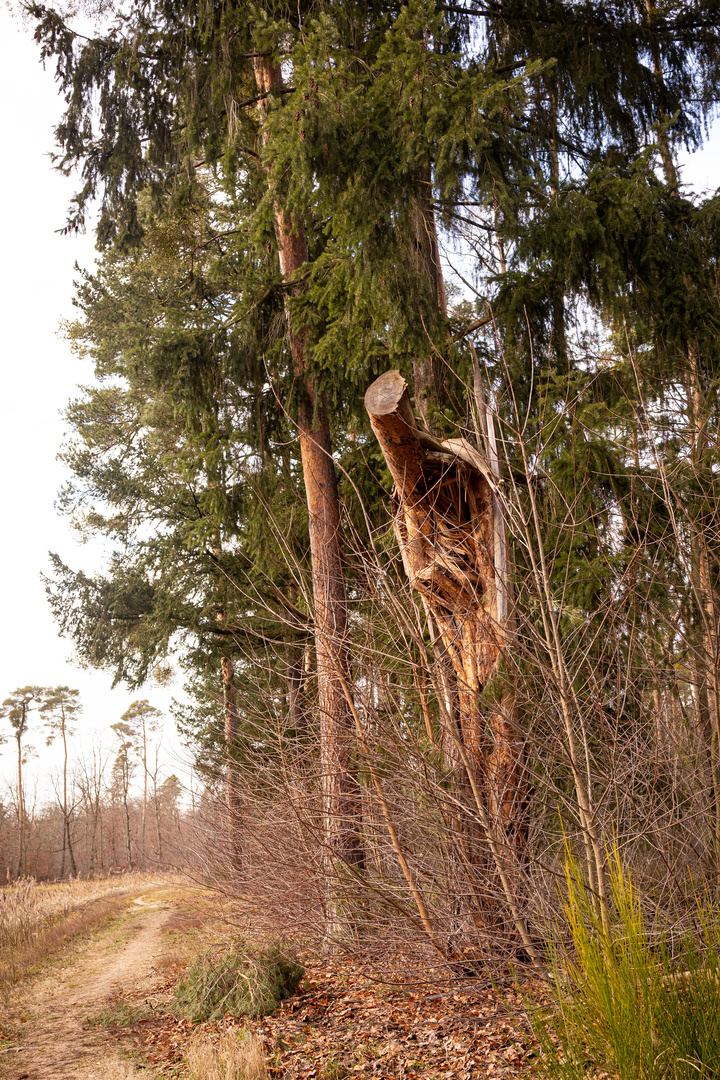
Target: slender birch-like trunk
156	803
67	841
126	807
428	372
21	808
145	784
232	777
708	690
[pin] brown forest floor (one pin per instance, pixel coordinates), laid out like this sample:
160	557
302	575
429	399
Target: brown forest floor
344	1021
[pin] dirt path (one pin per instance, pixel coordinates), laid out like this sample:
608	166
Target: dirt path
343	1021
55	1042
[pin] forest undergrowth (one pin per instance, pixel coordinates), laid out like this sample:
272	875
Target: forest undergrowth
383	1017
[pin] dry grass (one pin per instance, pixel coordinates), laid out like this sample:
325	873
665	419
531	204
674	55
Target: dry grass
235	1057
187	931
37	920
115	1070
174	958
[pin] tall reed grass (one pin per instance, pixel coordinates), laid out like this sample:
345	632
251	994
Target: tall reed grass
628	998
36	920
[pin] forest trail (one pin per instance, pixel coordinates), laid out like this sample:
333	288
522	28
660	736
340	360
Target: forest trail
50	1015
348	1018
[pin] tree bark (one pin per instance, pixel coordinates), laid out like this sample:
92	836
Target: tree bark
232	778
428	373
21	808
708	695
126	808
233	815
340	797
145	780
449	531
158	830
94	836
67	841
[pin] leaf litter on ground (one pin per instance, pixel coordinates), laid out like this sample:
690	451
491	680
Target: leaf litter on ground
344	1021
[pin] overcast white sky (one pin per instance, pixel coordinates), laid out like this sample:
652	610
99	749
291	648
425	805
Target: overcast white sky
40	375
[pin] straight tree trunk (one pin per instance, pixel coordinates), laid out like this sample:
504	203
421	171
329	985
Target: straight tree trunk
232	779
21	809
94	838
128	844
708	653
158	830
557	302
659	75
340	797
126	808
67	842
233	824
145	779
92	797
428	373
708	694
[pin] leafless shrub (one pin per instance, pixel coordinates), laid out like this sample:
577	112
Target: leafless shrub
617	737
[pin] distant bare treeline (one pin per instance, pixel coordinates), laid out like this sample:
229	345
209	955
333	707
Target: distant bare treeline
113	808
158	833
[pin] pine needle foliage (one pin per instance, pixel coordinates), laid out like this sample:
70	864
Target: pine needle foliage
250	978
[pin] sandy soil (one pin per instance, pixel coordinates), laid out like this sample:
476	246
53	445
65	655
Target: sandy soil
51	1014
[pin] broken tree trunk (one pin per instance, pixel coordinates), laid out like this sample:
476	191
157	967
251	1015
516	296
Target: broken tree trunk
451	547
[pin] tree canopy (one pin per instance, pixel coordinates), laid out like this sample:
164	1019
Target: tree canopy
294	200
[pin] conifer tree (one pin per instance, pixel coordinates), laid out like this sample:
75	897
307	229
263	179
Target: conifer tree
173	464
143	719
338	137
16	708
122	771
61	709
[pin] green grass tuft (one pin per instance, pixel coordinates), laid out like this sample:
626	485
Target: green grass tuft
250	978
624	1003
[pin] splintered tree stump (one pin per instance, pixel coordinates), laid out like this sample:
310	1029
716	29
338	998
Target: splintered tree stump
443	520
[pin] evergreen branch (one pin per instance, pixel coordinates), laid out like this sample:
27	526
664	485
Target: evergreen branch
469	11
267	93
475	325
473	224
39	11
510	67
